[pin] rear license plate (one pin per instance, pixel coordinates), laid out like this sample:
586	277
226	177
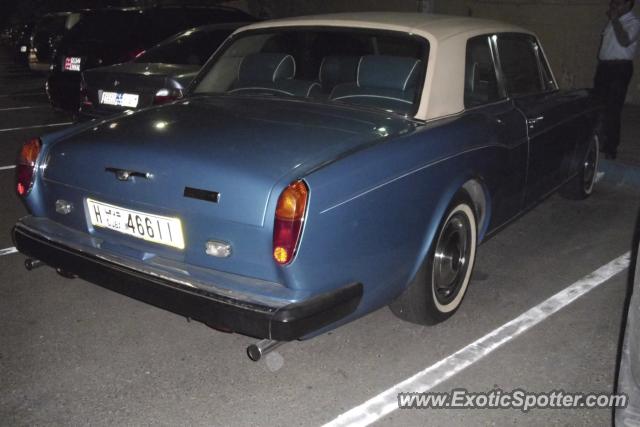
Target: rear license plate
152	228
72	63
119	99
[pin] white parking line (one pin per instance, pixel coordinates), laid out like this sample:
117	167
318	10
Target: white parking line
36	127
386	402
6	168
8	251
9	95
24	108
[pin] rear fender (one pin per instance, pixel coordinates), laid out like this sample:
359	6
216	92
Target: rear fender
469	183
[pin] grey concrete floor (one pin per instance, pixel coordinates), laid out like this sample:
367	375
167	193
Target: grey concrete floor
75	354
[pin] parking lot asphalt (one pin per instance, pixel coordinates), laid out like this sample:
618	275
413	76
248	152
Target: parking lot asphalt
75	354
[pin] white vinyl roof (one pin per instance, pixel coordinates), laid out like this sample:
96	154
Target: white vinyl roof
443	92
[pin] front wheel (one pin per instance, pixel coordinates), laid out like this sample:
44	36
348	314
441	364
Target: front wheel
581	186
441	282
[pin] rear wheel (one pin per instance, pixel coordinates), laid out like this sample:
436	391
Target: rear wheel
441	283
582	185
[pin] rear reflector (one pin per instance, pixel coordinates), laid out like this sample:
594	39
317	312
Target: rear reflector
218	249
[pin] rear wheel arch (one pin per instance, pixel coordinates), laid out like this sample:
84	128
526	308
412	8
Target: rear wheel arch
479	195
418	303
582	184
476	191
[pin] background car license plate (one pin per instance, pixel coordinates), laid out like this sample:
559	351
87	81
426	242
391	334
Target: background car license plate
153	228
119	99
72	63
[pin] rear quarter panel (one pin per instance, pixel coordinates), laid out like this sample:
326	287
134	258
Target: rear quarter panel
373	215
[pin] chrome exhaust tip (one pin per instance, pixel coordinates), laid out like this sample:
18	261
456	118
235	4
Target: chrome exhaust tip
262	348
32	264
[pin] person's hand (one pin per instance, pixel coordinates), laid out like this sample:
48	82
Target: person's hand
614	11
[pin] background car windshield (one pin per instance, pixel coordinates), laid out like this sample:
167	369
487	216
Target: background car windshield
189	48
369	68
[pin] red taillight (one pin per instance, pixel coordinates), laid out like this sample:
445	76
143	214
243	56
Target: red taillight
287	228
166	95
25	166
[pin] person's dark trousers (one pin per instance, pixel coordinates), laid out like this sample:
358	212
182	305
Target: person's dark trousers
610	86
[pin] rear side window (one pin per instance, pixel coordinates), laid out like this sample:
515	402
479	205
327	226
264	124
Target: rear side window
480	82
547	77
519	62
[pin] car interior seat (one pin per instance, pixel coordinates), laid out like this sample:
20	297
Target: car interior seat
271	73
383	81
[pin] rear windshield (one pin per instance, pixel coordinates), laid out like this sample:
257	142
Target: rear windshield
105	25
370	68
192	47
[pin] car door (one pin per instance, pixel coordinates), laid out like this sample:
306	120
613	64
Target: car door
486	100
534	93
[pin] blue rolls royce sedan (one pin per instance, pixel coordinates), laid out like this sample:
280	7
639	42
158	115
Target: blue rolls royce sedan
318	169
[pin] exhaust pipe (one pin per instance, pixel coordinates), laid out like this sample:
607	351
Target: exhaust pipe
262	348
32	264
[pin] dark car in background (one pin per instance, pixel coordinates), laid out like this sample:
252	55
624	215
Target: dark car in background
20	41
5	36
157	76
113	36
48	32
8	34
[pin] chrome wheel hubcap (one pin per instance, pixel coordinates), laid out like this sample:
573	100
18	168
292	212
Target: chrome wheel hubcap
451	260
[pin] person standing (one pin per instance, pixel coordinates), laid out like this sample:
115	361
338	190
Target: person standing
615	68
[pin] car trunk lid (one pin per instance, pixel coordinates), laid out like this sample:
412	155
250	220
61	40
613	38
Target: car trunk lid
238	147
140	79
